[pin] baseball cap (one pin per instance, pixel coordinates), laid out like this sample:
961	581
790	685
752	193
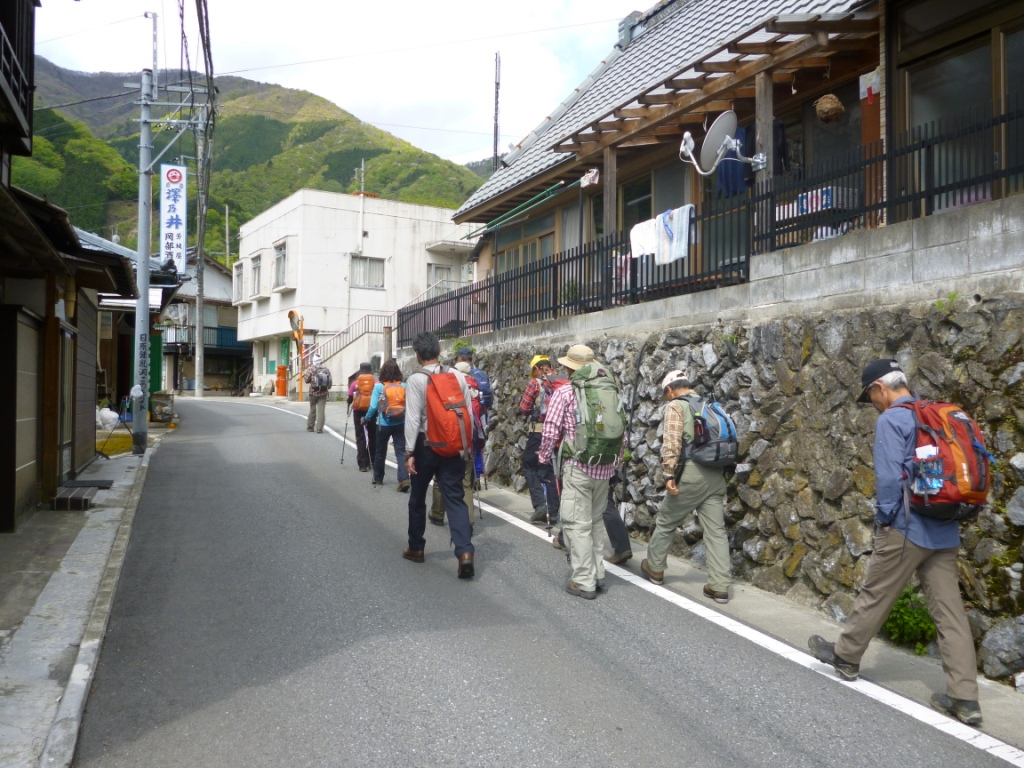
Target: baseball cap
464	353
872	372
673	376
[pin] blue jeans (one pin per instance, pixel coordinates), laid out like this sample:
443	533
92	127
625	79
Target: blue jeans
396	433
447	472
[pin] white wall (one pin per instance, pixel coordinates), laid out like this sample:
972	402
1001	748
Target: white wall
322	231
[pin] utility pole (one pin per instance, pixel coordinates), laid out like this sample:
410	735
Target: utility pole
140	392
200	357
497	87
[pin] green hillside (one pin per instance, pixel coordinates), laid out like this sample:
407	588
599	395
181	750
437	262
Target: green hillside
269	142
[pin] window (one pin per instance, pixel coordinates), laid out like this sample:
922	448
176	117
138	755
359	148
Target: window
255	276
367	272
523	244
239	285
280	265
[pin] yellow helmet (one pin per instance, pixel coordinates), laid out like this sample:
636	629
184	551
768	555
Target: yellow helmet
538	359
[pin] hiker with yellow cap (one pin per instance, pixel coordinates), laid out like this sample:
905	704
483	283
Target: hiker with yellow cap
540	478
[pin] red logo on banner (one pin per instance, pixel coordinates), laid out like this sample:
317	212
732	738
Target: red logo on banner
174	176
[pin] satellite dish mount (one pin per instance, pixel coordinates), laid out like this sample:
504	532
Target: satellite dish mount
719	141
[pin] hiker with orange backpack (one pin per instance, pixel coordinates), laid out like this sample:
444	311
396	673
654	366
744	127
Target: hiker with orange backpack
931	471
360	393
436	514
387	409
439	441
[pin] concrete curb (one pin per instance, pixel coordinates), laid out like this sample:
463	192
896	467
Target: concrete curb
59	749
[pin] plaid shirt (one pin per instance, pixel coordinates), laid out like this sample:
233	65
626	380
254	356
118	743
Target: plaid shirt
560	425
529	398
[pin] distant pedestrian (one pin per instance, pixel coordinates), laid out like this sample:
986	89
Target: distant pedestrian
905	543
387	409
540	478
483	385
587	420
360	392
318	376
689	486
443	457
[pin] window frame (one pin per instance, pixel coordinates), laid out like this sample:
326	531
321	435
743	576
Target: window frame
369	261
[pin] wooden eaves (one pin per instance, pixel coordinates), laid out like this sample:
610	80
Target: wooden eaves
782	46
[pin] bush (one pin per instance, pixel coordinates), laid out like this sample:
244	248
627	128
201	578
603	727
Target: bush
909	624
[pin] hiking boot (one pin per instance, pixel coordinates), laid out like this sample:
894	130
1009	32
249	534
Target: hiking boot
436	520
557	542
602	586
416	555
376	483
586	594
964	710
466	565
403	486
718	597
540	515
655	577
825	651
618	558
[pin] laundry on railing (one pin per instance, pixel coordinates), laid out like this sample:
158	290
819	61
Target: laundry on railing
666	237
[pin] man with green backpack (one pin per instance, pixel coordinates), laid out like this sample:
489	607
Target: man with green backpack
588	420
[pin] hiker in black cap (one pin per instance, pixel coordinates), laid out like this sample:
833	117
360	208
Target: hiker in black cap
904	543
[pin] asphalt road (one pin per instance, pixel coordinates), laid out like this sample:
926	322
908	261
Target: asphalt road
265	617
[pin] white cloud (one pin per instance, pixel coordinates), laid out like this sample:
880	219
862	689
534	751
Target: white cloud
422	71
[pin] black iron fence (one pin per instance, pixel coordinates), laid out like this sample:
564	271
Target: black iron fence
972	157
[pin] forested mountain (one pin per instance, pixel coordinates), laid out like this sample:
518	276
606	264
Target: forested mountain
269	142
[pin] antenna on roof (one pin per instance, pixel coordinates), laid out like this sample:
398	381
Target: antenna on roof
497	87
717	142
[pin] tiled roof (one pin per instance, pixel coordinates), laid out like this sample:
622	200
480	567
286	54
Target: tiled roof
677	34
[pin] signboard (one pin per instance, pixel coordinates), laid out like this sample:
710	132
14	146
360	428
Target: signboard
173	215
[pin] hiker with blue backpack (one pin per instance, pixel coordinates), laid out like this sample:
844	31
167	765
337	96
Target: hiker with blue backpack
486	399
698	442
318	376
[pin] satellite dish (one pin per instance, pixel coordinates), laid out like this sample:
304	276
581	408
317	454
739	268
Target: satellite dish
716	139
719	140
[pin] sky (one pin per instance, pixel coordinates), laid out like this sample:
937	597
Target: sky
421	70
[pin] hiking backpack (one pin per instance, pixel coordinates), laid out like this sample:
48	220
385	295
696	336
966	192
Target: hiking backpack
322	379
715	442
477	408
364	392
449	416
483	384
600	418
950	476
394	401
548	385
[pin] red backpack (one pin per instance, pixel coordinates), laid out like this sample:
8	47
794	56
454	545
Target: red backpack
449	416
950	476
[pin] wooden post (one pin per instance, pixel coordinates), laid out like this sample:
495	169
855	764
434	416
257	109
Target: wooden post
765	109
611	188
51	397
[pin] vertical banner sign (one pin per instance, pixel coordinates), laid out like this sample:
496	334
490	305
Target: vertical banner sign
173	216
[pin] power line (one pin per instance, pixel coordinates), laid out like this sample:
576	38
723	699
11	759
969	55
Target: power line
84	101
444	44
85	31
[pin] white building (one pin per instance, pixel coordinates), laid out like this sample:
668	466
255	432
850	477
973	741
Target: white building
345	264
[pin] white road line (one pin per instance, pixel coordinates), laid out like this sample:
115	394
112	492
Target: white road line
919	712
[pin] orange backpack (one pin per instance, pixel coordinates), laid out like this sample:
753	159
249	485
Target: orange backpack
364	392
394	401
449	416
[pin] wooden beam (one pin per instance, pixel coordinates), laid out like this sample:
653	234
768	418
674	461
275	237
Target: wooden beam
686	83
610	125
830	26
630	113
720	66
644	141
754	49
658	98
796	50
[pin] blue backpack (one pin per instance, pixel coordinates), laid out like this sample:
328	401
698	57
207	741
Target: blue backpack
483	384
715	443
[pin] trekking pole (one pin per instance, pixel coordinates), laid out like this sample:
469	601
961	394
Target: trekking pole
344	437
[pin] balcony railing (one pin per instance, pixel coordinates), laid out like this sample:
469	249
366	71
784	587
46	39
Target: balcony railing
217	337
972	157
14	83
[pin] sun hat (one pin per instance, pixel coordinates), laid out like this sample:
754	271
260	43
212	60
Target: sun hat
577	356
317	359
673	376
872	372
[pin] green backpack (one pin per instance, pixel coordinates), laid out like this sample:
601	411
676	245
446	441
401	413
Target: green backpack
600	418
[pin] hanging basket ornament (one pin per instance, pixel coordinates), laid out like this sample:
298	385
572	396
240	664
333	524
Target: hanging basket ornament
829	108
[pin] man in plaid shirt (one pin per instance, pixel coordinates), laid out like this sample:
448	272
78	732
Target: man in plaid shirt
584	487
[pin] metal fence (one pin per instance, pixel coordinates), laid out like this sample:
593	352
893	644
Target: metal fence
972	157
